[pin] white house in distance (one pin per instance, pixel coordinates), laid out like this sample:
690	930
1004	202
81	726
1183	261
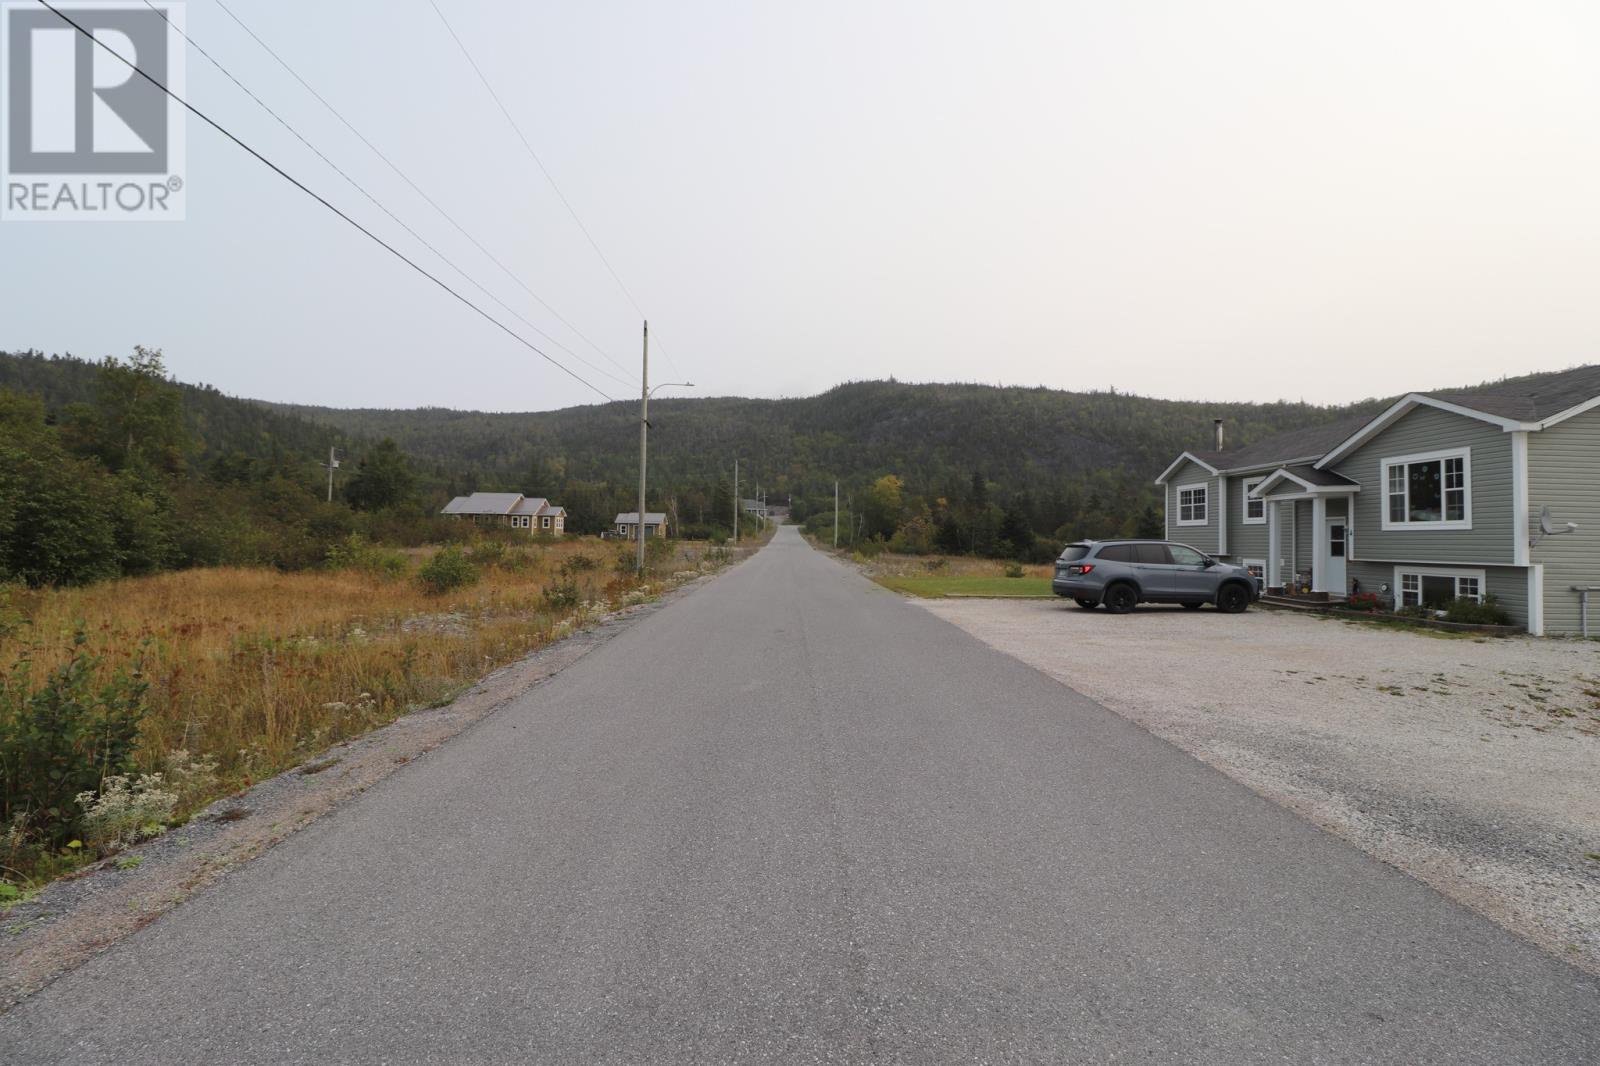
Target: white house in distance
655	524
512	509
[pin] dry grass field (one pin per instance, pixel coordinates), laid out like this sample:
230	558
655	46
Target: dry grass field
259	670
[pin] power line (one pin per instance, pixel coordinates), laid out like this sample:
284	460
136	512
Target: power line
542	168
297	183
416	188
374	200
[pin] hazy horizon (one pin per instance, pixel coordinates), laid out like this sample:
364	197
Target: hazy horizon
1234	202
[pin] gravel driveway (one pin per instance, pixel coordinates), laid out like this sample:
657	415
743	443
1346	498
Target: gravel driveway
1473	764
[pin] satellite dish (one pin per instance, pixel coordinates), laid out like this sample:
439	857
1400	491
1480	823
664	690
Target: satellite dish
1547	526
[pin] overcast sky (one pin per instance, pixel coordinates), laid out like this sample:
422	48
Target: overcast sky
1212	200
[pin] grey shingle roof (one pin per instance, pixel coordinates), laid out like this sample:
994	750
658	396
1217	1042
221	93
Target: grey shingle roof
1529	399
1312	441
531	506
1313	476
483	503
651	518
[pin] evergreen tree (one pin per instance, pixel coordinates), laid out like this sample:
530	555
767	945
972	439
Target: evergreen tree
382	480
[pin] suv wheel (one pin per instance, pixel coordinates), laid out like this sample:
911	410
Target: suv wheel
1232	599
1087	605
1120	599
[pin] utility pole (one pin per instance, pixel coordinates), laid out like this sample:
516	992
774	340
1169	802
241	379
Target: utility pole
644	431
736	503
333	464
644	436
835	516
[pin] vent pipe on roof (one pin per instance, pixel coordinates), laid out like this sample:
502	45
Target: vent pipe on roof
1216	424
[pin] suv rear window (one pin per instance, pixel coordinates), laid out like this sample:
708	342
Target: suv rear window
1117	553
1073	553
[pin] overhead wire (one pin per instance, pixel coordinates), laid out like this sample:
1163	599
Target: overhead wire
297	183
528	147
373	199
416	188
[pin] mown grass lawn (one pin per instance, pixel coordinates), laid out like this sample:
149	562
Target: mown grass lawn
941	586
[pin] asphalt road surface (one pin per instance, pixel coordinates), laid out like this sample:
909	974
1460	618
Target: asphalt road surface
792	819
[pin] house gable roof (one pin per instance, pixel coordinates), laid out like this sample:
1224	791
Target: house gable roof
1307	478
500	503
1528	403
1296	445
1186	457
651	518
1531	399
531	506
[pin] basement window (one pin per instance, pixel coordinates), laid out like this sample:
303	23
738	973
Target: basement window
1436	589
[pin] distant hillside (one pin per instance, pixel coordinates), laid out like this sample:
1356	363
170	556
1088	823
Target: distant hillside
930	435
218	424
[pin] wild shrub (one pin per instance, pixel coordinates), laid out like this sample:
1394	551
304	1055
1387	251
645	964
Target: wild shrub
562	595
65	737
1471	612
126	810
193	779
578	564
489	553
356	552
448	570
1014	569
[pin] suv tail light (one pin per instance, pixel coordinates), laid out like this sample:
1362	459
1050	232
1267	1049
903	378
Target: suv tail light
1086	568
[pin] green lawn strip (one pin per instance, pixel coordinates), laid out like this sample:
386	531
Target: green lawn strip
937	587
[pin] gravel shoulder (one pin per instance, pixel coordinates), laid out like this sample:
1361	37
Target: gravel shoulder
1472	764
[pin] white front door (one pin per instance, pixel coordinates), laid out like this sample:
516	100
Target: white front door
1336	581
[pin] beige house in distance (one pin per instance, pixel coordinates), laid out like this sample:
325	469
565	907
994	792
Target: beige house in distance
534	514
655	524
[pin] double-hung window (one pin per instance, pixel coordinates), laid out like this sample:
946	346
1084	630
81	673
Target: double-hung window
1193	505
1431	491
1255	509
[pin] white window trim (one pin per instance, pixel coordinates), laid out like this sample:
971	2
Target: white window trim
1464	454
1440	571
1248	563
1198	486
1244	514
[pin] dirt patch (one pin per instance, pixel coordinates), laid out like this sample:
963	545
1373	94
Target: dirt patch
80	916
1473	764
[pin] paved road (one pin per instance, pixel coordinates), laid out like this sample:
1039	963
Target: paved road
791	819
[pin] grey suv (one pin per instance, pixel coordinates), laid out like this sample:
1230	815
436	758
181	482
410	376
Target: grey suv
1125	573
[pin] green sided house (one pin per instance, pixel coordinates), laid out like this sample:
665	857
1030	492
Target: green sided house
1442	495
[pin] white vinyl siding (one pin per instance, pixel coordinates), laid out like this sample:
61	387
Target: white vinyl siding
1194	505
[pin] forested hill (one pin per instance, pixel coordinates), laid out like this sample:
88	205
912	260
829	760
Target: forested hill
932	436
218	424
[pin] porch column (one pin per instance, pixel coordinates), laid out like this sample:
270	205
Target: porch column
1319	544
1274	547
